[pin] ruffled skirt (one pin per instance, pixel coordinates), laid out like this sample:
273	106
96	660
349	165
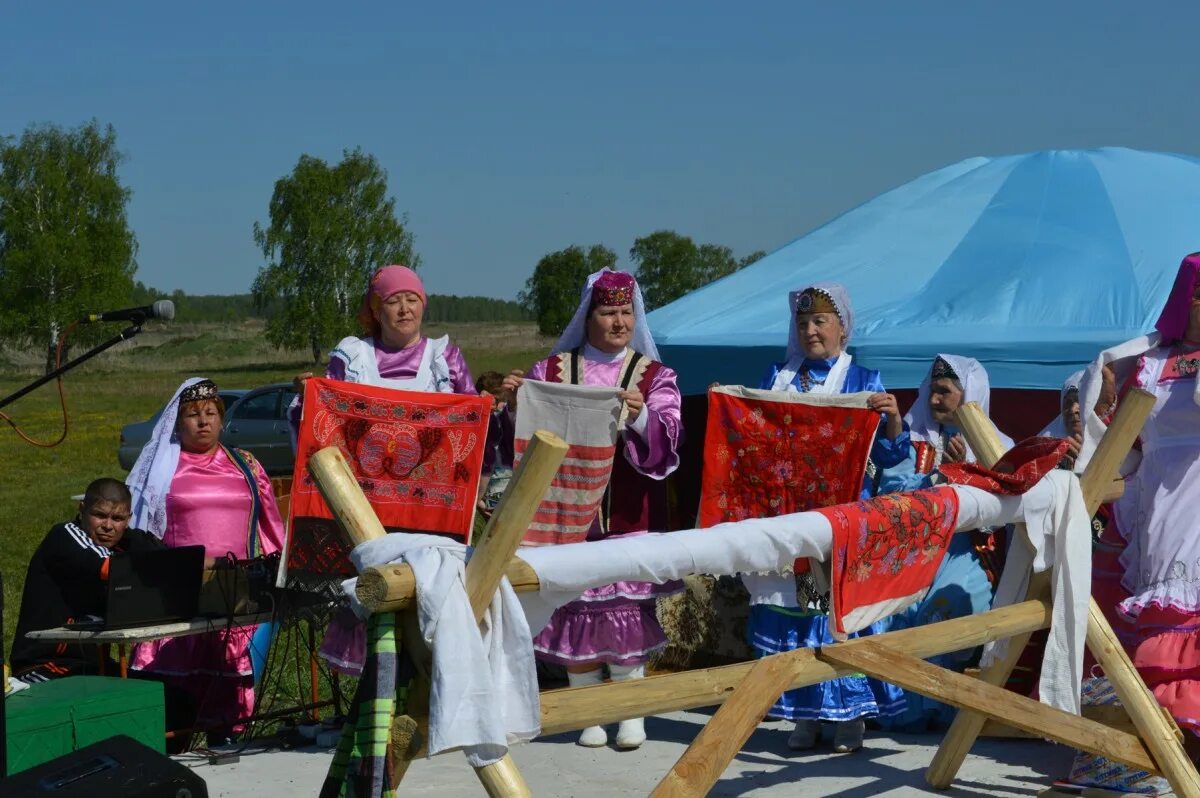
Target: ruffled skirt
774	630
616	624
1162	640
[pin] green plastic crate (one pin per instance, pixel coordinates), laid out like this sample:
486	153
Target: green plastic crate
60	716
39	727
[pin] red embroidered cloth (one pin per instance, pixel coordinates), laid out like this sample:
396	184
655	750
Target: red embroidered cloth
1017	471
765	457
886	552
417	457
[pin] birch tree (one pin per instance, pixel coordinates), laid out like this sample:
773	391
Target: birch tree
65	243
330	228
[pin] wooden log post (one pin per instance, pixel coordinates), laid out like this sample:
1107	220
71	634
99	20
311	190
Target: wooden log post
698	769
339	487
964	730
493	552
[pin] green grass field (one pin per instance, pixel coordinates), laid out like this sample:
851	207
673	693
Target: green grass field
129	384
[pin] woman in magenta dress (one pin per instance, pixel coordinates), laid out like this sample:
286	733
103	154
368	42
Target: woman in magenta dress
189	489
1146	566
608	343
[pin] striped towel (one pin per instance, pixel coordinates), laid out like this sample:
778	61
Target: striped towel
587	418
359	767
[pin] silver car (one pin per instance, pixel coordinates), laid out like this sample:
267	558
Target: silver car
254	420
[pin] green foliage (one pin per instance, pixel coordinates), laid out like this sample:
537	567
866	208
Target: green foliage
552	292
65	243
331	227
448	308
670	265
201	308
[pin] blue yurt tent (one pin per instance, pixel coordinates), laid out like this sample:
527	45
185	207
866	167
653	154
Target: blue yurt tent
1030	263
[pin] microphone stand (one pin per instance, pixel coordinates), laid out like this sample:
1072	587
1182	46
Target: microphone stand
124	335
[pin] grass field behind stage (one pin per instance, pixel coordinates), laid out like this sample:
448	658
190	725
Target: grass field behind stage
129	384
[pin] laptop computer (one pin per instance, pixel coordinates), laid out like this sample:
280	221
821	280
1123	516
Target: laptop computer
149	587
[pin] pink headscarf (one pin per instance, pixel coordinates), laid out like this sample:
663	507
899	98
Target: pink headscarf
1173	322
385	282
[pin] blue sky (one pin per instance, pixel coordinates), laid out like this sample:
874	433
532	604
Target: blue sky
512	129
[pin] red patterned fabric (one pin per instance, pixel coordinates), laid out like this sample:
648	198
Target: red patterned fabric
1017	471
417	457
886	552
766	458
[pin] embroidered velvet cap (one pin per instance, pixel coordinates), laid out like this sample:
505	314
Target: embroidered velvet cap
199	392
613	289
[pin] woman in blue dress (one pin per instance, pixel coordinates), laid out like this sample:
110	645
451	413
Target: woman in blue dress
964	581
817	362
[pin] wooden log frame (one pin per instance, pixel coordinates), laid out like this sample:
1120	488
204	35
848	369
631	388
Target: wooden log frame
1156	729
486	567
746	690
1156	747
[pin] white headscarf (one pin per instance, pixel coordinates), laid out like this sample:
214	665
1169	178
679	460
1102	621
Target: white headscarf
575	335
150	479
795	352
976	388
1057	428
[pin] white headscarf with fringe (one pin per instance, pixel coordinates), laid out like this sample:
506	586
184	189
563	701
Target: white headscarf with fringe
575	335
150	478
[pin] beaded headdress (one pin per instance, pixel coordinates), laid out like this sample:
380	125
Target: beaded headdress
198	392
814	300
942	369
613	289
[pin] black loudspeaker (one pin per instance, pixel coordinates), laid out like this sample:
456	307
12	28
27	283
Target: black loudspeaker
118	766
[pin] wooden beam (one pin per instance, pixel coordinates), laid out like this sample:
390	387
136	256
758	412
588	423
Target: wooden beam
574	708
495	548
338	485
392	588
965	728
1113	716
1112	449
875	659
492	553
724	735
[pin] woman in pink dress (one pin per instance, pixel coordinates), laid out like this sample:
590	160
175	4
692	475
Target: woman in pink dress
608	343
189	489
1146	572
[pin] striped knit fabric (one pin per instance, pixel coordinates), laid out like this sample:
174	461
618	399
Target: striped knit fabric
586	418
359	766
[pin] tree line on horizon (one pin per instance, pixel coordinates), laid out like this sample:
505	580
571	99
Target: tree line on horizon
66	248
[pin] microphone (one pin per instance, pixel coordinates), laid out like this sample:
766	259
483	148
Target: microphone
162	309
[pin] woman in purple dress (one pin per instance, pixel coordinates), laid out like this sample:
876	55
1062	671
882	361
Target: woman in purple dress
607	343
392	354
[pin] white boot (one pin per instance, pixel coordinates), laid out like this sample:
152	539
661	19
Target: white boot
592	736
631	733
